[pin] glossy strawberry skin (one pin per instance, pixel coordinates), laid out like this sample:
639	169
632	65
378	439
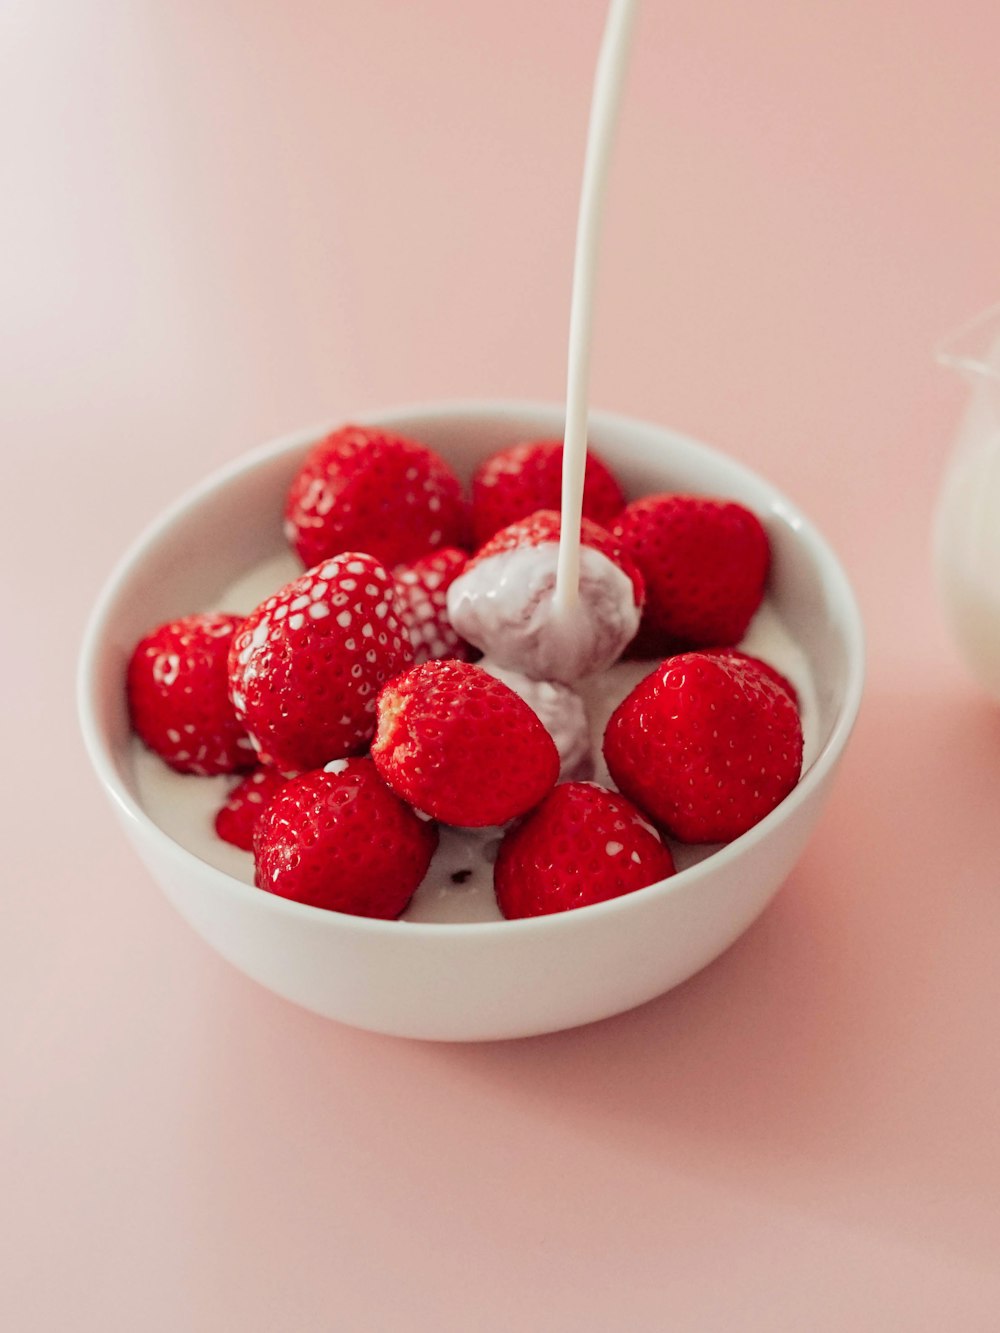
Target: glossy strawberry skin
366	489
706	746
705	563
177	688
237	818
423	604
581	845
461	746
760	665
527	477
306	666
342	841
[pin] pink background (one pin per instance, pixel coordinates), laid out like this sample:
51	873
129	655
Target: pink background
223	221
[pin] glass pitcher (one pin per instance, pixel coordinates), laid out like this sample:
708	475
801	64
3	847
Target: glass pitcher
967	522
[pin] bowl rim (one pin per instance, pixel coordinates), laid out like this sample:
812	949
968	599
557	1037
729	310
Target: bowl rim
494	410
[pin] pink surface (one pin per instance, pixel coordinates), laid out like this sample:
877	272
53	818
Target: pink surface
225	221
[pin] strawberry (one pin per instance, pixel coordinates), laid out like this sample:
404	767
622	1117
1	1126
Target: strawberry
765	667
462	746
582	845
706	745
504	601
561	711
178	699
237	818
306	665
368	490
527	477
705	562
423	602
545	526
340	839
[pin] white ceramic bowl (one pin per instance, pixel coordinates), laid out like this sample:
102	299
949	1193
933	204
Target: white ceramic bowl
476	981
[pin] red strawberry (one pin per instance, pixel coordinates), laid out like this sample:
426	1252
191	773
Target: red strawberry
341	840
423	604
765	667
582	845
706	745
306	666
705	563
178	699
462	746
237	818
545	526
365	489
526	477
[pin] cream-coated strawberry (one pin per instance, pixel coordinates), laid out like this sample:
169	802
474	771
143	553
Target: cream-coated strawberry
543	527
306	666
504	601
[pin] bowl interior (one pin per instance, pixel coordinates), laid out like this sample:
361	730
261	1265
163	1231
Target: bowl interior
233	521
